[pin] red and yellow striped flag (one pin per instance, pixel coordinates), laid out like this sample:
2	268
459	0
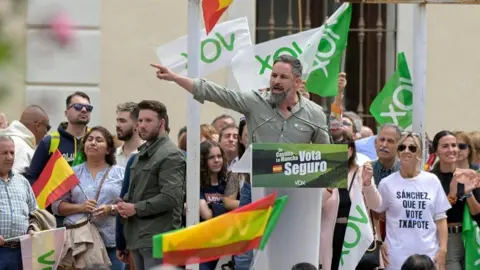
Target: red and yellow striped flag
233	233
212	11
56	179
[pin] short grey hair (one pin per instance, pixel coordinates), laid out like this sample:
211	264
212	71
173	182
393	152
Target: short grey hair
297	68
130	107
4	138
397	129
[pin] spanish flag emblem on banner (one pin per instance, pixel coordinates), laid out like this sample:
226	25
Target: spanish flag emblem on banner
277	168
56	179
212	11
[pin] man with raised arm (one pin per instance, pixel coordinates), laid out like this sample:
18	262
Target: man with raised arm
281	115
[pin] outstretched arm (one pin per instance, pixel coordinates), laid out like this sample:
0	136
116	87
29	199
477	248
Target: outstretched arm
240	101
163	73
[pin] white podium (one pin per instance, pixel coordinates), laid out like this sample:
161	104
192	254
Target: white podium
296	237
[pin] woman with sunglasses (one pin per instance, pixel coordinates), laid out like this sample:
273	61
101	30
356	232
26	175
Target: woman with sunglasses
466	151
455	156
336	207
415	208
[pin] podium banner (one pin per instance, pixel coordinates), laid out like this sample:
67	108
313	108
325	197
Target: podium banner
299	165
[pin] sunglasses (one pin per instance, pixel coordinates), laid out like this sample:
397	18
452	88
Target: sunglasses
47	126
409	133
412	148
346	123
79	107
462	146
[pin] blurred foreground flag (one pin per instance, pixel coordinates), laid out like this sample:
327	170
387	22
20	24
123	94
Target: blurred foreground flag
236	232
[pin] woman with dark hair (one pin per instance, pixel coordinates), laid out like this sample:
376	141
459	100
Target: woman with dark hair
242	137
418	262
213	173
336	207
453	175
94	198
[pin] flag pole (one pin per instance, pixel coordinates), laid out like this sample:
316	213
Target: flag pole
300	17
256	255
420	72
193	120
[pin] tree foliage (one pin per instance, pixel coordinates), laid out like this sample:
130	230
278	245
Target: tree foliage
8	48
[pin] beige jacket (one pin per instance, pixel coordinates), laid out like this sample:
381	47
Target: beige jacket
84	247
41	220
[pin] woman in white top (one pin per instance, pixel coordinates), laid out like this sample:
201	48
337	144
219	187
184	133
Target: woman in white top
415	206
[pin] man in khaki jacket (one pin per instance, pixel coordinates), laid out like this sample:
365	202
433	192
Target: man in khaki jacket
153	203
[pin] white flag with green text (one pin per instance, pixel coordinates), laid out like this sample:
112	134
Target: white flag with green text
359	233
216	50
320	51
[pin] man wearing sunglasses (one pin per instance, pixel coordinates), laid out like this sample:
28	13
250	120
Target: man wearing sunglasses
66	138
26	133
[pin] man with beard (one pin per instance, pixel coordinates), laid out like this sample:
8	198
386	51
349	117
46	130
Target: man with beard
153	203
68	136
67	139
127	117
281	115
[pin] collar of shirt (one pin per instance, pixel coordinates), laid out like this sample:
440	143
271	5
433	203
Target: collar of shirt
233	162
121	153
395	167
10	175
150	148
300	104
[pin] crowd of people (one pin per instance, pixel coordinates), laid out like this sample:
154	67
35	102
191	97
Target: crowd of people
132	183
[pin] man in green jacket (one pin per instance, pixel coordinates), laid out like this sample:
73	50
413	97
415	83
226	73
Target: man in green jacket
154	201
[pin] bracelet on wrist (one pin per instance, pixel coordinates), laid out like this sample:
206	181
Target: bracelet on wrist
466	196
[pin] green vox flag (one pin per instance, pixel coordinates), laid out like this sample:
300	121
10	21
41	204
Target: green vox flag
471	240
393	105
272	221
79	159
323	77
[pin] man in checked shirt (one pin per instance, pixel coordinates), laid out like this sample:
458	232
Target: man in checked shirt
16	202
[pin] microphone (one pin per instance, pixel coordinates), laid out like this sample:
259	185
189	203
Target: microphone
312	124
254	138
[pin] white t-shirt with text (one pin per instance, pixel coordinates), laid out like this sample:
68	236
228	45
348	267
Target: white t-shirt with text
410	206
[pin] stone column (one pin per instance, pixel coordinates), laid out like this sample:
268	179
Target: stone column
54	70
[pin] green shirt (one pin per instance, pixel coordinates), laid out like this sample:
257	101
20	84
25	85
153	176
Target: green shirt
157	189
257	109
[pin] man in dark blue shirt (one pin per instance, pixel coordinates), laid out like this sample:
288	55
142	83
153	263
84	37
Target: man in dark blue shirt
122	252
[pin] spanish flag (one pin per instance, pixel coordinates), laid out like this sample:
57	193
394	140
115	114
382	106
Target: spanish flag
212	11
233	233
56	179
